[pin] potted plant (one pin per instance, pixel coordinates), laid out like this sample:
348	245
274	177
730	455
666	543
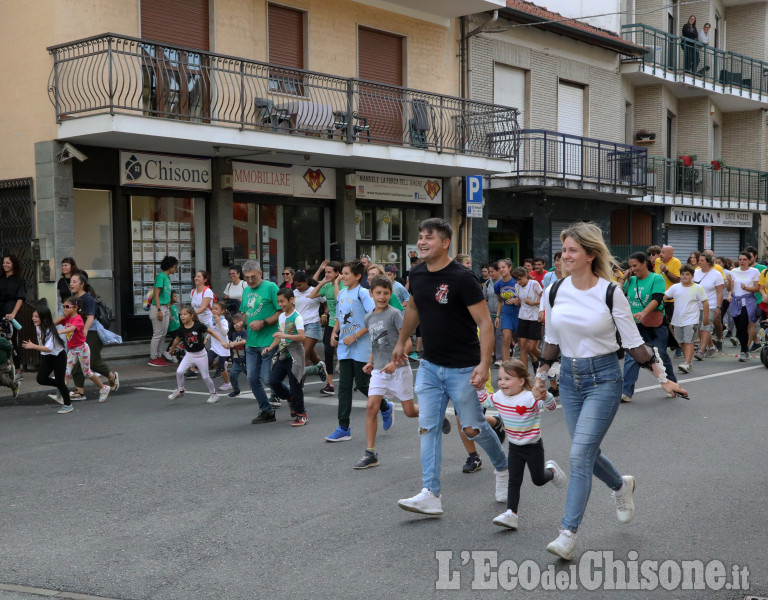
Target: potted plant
643	135
718	164
687	159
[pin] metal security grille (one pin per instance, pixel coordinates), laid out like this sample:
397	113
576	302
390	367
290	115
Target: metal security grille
16	234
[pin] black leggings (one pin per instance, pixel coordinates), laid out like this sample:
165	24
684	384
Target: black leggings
329	350
533	455
58	366
742	328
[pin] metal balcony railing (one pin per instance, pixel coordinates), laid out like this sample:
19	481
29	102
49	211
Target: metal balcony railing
118	74
553	155
679	57
702	183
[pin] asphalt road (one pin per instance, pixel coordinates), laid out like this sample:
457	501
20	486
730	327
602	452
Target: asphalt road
141	499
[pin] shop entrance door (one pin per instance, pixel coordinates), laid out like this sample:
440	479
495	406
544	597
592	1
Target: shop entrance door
504	245
93	241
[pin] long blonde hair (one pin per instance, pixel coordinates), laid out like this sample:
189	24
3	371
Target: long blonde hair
590	237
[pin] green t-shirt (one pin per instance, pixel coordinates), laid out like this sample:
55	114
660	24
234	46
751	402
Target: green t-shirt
640	291
258	304
163	282
174	323
329	293
394	301
289	325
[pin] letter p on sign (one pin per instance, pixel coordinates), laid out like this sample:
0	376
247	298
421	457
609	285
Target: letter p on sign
474	187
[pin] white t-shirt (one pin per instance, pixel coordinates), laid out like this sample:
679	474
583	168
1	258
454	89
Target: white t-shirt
531	291
53	348
581	323
222	331
308	307
748	277
234	291
709	281
687	301
205	317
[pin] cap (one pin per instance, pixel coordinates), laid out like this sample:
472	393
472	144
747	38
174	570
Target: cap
391	268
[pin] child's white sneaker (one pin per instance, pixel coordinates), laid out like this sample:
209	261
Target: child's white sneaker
506	519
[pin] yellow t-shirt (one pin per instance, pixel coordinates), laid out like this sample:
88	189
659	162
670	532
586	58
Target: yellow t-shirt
764	280
673	266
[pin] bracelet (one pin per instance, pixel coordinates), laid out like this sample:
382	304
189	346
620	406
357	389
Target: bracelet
663	378
541	375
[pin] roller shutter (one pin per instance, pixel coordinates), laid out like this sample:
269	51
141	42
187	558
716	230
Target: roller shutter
570	120
286	37
557	245
726	241
684	240
176	22
509	90
380	59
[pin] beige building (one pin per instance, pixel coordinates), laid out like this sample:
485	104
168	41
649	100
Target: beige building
222	130
616	130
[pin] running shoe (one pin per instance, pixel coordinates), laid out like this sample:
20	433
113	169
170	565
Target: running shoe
506	519
625	398
425	502
65	408
499	430
388	416
77	396
684	367
177	393
625	499
158	362
322	373
371	459
339	435
446	426
264	417
718	344
564	545
710	353
56	398
559	479
414	356
328	390
274	401
167	356
15	389
103	393
474	463
743	357
754	347
115	385
190	374
212	399
225	387
233	394
734	341
299	421
699	354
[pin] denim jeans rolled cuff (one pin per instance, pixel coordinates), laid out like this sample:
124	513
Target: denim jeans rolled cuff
259	368
590	394
234	374
435	385
159	329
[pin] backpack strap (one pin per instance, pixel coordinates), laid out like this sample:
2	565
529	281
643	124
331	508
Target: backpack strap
553	291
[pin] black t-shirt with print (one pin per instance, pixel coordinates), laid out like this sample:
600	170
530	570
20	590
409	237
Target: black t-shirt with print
193	337
448	330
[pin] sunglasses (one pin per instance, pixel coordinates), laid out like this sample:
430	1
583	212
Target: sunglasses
67	306
286	274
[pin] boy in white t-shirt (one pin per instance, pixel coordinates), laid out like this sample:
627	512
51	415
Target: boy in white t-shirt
685	318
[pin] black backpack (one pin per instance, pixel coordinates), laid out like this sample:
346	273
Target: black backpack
764	355
608	301
104	314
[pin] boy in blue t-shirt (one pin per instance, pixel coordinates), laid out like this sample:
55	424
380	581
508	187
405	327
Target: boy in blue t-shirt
352	342
507	319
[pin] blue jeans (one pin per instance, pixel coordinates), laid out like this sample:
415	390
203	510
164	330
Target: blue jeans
435	385
653	336
259	368
590	393
234	373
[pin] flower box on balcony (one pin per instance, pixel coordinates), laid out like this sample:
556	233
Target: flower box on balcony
645	136
718	164
687	160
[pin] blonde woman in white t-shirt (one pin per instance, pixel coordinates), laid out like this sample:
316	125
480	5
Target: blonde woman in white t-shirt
582	328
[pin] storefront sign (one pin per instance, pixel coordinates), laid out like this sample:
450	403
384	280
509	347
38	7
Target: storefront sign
297	181
398	188
708	218
140	169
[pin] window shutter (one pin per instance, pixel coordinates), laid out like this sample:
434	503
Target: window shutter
176	22
286	37
380	57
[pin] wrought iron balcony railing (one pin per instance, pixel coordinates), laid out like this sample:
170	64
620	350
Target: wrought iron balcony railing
118	74
579	160
680	57
706	184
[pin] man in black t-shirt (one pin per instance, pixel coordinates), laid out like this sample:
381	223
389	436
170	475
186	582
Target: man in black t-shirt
448	303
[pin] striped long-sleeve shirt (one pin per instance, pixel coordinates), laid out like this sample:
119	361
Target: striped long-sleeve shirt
521	414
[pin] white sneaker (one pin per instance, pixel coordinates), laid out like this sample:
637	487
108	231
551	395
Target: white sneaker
212	399
560	480
502	485
56	398
564	545
684	367
506	519
103	393
425	502
116	385
225	387
167	356
625	501
177	393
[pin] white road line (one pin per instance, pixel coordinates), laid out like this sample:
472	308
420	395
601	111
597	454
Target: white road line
691	379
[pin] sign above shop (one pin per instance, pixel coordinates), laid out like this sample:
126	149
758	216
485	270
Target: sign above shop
141	169
708	218
296	180
396	188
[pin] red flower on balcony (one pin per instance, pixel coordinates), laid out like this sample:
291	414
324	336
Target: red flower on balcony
687	160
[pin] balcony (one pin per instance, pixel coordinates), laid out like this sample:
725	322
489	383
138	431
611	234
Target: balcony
741	82
702	184
127	92
568	164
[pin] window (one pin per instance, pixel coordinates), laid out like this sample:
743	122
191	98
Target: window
286	49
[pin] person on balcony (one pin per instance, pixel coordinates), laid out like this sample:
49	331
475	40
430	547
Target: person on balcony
690	37
704	41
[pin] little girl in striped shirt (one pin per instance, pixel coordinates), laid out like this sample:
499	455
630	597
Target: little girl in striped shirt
521	414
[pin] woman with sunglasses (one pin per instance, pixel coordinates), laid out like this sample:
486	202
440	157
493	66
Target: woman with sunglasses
287	278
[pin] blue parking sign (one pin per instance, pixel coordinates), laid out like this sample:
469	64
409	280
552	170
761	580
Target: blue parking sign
473	184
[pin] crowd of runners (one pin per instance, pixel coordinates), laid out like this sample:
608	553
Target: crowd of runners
569	326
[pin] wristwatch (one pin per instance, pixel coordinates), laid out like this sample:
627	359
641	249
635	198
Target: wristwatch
264	323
